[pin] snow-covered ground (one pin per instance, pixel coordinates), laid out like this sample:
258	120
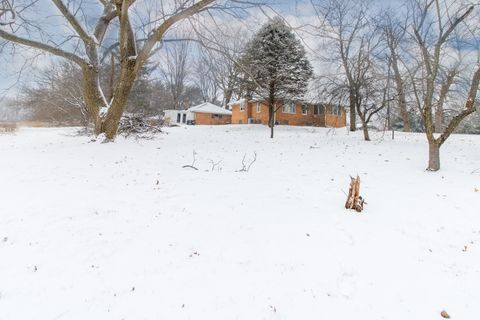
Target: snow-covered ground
122	231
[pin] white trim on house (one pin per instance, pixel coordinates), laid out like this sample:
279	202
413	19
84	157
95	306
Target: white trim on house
259	107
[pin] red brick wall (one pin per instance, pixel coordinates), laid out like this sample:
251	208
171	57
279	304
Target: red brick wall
208	119
239	116
336	121
259	117
293	119
298	118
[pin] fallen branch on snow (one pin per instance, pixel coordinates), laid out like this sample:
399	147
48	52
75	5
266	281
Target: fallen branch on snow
139	126
192	166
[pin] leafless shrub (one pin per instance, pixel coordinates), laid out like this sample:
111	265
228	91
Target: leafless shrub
214	165
192	166
246	165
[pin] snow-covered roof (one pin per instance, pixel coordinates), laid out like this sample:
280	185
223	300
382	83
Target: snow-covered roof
252	99
236	102
209	108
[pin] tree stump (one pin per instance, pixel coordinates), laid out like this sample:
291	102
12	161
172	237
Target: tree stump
354	200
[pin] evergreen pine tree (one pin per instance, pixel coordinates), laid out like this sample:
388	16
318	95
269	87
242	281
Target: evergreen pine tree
276	66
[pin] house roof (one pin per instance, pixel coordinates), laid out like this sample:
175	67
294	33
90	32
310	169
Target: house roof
210	108
235	102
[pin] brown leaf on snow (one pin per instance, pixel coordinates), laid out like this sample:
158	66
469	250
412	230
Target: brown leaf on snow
444	314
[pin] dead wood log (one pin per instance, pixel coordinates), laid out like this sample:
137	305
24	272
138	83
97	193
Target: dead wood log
354	200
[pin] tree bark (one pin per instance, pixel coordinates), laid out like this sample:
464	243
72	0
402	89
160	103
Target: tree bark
354	200
122	91
353	125
271	131
271	118
402	101
439	119
366	135
433	157
111	84
271	108
93	96
445	88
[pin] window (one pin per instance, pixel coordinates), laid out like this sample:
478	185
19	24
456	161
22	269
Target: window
318	109
184	120
179	117
304	109
216	116
288	107
242	105
259	107
336	111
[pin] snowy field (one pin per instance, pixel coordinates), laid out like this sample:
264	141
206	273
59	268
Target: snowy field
122	231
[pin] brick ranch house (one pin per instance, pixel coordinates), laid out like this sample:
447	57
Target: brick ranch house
290	113
203	114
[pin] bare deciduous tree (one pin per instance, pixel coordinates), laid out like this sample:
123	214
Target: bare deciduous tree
434	24
173	68
341	23
393	30
205	77
56	96
86	51
222	50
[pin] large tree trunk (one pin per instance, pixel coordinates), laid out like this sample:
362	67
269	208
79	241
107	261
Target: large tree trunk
353	125
107	120
271	118
271	107
271	130
366	135
111	80
92	95
439	119
433	157
120	99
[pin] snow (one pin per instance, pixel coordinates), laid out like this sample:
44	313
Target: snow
207	107
122	231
